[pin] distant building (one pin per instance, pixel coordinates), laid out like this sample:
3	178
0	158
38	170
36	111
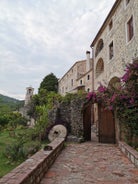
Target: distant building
24	110
78	77
29	94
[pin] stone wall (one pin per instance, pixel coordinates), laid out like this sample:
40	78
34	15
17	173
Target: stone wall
76	117
69	114
33	169
129	152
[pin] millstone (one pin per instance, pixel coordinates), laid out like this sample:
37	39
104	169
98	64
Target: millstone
57	131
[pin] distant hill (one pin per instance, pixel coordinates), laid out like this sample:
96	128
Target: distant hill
8	104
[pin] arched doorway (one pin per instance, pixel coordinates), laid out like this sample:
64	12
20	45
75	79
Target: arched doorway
87	121
114	83
107	127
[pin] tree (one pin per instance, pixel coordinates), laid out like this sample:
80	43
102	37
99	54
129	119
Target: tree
50	83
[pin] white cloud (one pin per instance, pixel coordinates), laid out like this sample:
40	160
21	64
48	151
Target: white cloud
39	37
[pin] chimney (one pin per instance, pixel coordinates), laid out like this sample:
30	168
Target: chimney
87	61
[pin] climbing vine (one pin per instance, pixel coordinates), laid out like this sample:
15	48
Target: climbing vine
123	100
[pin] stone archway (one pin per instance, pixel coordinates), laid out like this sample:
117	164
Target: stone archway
99	67
87	120
114	83
108	131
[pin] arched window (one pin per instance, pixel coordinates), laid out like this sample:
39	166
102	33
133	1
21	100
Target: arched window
114	83
99	47
99	67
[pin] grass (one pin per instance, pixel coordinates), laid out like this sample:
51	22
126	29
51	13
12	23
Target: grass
5	165
7	138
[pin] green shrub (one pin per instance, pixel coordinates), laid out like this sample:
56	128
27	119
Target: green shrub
18	151
32	147
15	152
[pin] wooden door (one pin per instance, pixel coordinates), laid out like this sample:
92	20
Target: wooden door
87	120
106	126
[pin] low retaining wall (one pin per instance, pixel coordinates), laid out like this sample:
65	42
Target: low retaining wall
33	169
129	152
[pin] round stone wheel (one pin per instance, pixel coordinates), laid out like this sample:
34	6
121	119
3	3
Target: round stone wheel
57	131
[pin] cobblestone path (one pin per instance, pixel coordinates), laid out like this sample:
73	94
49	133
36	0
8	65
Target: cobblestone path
89	163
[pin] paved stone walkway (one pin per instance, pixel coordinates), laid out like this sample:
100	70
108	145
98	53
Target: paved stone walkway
89	163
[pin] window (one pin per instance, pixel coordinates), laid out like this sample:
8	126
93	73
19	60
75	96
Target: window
111	50
99	47
88	77
63	89
88	90
80	81
29	91
71	82
130	29
110	25
99	67
127	1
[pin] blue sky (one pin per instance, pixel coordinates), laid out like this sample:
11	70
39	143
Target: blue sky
38	37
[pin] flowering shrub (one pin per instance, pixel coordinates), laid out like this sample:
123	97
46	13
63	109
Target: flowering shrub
123	99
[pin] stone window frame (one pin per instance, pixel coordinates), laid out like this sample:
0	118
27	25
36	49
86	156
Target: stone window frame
130	29
111	50
127	2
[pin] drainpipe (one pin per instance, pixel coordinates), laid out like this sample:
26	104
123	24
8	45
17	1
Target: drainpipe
92	68
92	108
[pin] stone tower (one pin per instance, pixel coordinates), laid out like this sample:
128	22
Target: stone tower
29	94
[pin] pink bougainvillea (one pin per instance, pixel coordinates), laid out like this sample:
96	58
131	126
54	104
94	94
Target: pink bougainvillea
102	88
126	95
124	100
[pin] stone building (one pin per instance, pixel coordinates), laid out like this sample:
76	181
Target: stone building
24	110
78	77
116	43
29	94
114	46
